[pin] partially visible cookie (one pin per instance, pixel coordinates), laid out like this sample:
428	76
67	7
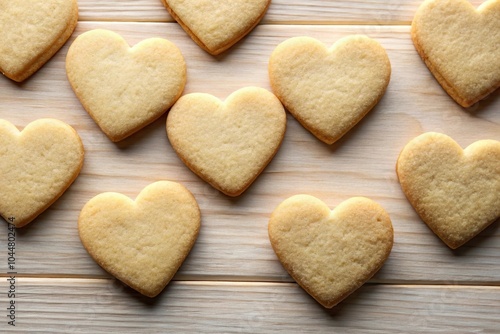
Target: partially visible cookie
227	144
143	242
217	25
31	32
122	88
330	253
456	192
461	46
37	165
329	90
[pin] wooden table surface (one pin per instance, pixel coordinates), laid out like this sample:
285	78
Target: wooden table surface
232	280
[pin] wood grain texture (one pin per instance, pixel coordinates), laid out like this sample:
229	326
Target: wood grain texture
366	12
105	306
232	280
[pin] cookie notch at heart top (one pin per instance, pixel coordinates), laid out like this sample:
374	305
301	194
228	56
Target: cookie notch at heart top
25	47
37	165
330	254
217	25
228	144
122	88
143	242
460	46
455	192
329	90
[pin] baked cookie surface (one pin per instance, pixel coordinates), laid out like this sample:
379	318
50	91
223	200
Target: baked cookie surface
143	242
330	253
24	46
456	192
229	143
461	46
124	88
217	25
329	90
37	165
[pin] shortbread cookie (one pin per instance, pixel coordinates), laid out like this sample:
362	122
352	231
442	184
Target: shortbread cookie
37	165
31	32
329	90
143	242
227	144
217	25
122	88
461	46
330	253
456	192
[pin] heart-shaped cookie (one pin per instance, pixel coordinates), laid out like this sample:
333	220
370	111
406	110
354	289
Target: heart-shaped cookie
329	90
217	25
461	46
37	165
227	144
456	192
330	253
143	242
31	32
122	88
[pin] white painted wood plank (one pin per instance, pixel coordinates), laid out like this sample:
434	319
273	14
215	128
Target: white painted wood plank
116	10
374	12
105	306
233	242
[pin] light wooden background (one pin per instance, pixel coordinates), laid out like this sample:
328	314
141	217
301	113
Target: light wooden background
232	280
